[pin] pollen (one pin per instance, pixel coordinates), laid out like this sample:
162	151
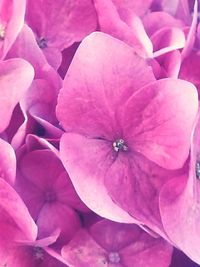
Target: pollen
119	145
42	42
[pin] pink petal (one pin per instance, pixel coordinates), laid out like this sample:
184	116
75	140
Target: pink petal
60	23
13	205
107	72
167	40
58	216
137	7
191	74
83	251
155	21
179	205
13	89
8	162
122	23
11	18
78	155
128	244
161	126
192	33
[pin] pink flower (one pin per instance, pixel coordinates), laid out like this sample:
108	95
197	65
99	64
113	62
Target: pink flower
116	245
179	205
122	127
18	244
58	24
46	189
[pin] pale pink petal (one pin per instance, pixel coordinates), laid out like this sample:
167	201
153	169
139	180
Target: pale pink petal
11	22
78	155
8	162
107	72
13	86
161	126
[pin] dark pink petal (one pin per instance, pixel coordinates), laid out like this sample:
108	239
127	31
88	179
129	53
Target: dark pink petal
114	236
13	86
13	205
11	22
179	259
161	126
107	72
24	255
78	155
58	24
55	216
8	162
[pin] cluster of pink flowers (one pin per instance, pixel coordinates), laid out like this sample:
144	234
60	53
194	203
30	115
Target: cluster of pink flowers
99	133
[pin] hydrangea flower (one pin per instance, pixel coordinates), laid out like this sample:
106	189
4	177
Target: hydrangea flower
112	244
58	24
118	117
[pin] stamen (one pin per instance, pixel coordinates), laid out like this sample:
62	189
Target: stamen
119	144
42	42
114	257
198	170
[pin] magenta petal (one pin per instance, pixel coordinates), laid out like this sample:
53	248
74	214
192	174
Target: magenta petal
161	126
8	162
103	74
12	88
55	216
12	203
78	155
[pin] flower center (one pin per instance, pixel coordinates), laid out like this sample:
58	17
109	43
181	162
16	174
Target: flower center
198	170
114	257
42	42
38	253
2	32
50	196
119	145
